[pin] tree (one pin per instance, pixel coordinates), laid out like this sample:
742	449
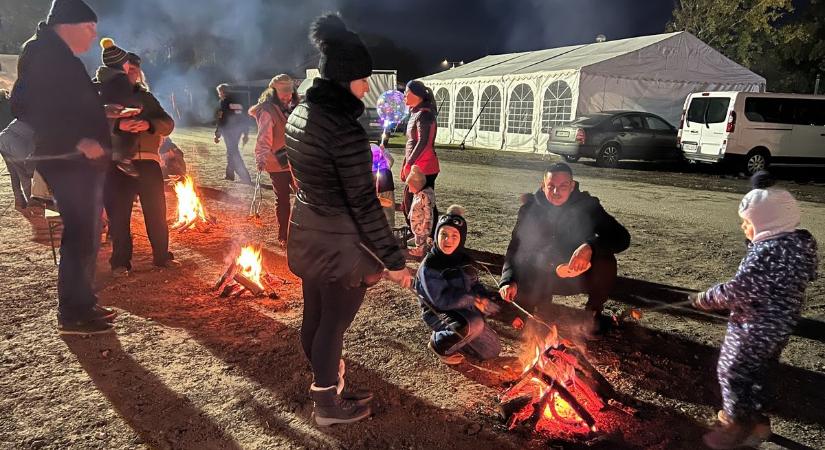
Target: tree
18	21
741	29
802	57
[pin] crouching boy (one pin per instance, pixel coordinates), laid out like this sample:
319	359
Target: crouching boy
764	298
454	302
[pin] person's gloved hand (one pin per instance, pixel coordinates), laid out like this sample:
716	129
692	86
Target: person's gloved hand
696	299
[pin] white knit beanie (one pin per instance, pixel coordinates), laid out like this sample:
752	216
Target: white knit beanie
772	212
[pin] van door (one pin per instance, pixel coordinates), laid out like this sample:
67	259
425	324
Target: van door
693	123
705	124
715	123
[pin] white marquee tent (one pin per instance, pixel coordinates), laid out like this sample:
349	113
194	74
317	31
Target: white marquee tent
518	97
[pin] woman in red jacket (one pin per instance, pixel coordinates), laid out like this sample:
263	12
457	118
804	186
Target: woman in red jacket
421	130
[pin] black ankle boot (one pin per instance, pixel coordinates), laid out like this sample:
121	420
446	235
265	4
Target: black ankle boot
329	408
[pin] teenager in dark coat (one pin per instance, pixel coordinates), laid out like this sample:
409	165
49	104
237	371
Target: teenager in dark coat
55	96
560	224
339	240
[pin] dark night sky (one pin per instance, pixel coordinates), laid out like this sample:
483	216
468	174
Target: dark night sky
269	36
456	30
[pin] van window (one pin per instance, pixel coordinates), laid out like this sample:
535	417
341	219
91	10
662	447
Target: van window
696	111
792	111
809	112
708	109
717	110
771	110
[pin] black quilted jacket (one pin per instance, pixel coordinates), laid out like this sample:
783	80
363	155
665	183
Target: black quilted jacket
331	161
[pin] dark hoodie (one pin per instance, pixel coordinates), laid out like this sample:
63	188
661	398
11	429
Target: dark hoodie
55	96
546	235
420	148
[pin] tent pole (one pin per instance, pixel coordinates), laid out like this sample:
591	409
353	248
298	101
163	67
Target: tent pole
461	145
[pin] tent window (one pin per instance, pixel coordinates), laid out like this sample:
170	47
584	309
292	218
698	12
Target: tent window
442	102
464	108
491	114
558	100
520	110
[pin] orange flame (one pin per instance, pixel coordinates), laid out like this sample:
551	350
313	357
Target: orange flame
190	209
250	262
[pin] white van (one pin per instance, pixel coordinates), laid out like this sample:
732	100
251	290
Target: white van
752	130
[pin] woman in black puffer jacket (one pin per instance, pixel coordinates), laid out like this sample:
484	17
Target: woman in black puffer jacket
339	240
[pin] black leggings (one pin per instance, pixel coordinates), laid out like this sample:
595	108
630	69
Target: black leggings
282	185
329	309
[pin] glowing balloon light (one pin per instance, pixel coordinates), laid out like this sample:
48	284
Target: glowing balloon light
391	107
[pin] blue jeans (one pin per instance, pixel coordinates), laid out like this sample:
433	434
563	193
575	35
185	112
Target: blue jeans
234	162
78	193
465	331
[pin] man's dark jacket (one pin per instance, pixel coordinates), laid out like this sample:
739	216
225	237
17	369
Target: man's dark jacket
546	235
54	94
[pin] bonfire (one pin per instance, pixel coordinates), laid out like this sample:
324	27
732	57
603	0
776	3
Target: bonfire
245	273
190	209
558	389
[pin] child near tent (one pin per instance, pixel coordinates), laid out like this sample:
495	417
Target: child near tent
382	162
764	298
421	212
453	300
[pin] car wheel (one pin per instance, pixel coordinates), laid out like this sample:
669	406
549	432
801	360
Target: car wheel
755	161
609	155
571	158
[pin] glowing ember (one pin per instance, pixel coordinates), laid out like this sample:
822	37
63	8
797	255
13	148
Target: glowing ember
250	264
190	209
555	391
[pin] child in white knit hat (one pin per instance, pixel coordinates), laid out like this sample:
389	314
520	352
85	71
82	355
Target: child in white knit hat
765	300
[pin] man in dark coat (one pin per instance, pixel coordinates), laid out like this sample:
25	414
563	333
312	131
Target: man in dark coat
233	125
561	225
55	96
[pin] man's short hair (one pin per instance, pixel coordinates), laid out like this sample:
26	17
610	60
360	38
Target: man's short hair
559	167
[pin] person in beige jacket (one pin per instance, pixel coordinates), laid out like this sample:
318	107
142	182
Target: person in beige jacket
271	112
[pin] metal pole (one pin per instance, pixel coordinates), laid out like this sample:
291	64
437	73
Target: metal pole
461	146
816	85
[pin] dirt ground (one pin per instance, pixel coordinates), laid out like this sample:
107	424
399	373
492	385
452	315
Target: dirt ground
187	369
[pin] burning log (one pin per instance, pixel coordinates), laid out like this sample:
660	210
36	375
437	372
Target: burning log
245	274
190	209
248	284
558	387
